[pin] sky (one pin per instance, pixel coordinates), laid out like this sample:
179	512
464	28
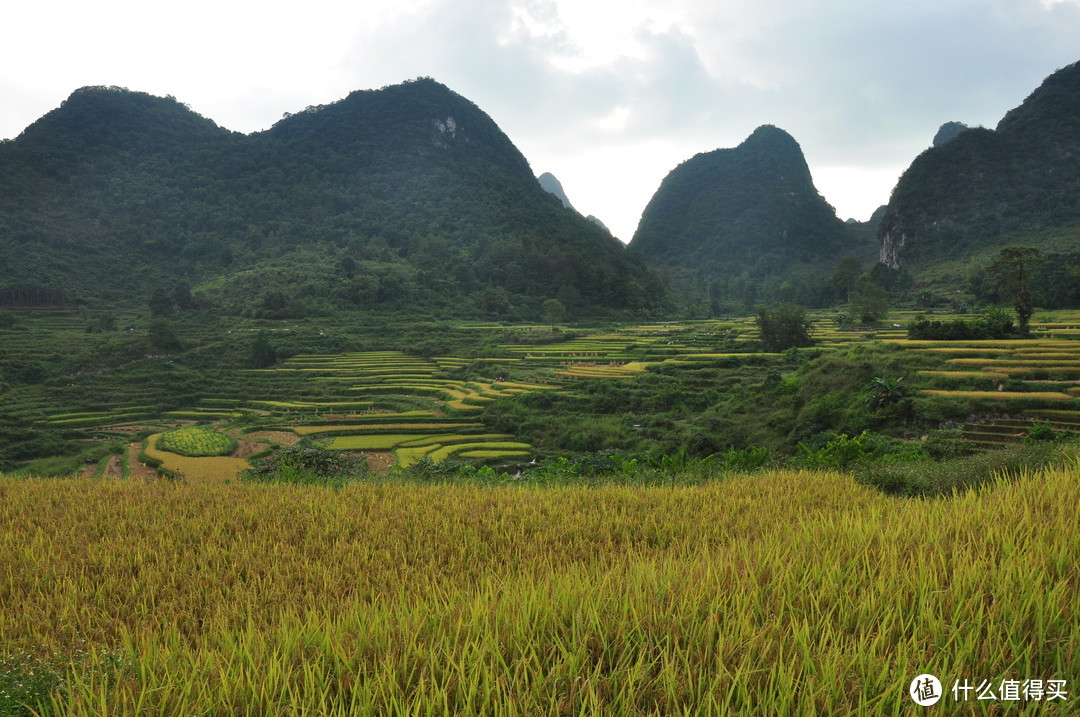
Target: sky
607	95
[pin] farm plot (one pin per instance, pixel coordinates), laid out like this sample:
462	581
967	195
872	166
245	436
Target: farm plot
1036	377
217	468
196	441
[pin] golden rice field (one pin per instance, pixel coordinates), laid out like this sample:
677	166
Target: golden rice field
787	593
210	468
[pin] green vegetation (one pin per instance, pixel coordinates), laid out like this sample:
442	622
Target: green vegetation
197	441
986	189
382	509
735	227
783	327
404	198
306	464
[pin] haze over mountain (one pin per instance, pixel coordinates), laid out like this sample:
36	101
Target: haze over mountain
748	215
983	189
552	185
408	196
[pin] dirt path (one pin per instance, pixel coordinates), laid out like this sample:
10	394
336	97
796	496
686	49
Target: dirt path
137	469
113	468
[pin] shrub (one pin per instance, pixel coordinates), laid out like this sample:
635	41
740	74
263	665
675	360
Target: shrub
929	479
783	326
1044	432
867	448
306	464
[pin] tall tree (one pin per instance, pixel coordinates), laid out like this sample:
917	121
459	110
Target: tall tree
554	312
868	301
783	326
847	272
1011	273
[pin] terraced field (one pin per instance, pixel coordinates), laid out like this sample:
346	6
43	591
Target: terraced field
404	407
1034	381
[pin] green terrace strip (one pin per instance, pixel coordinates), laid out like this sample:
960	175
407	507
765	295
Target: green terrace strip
99	419
202	415
503	448
370	427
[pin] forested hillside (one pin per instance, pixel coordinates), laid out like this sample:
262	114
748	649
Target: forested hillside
748	224
404	197
987	188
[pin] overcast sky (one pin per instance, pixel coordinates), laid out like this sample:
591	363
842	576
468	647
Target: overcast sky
608	95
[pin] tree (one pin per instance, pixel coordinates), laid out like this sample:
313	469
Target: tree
554	312
262	354
846	274
162	336
868	301
885	391
161	303
783	326
1012	273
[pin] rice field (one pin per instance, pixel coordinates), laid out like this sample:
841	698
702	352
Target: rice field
196	441
217	468
398	599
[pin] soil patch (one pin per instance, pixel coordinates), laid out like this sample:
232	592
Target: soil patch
282	438
245	448
113	468
379	461
135	467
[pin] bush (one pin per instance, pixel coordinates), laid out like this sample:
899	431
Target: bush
867	448
306	464
1044	432
197	441
993	323
929	479
944	444
783	326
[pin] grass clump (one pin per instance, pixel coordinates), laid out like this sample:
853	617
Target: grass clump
27	684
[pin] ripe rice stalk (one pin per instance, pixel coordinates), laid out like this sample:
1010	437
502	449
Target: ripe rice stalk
386	598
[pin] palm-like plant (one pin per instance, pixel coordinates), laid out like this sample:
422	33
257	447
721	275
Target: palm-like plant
885	391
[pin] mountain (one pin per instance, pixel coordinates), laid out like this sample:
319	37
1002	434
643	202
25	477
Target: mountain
947	131
984	189
749	216
552	185
404	197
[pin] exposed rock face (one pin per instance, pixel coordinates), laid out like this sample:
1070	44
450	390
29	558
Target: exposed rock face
980	188
891	248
